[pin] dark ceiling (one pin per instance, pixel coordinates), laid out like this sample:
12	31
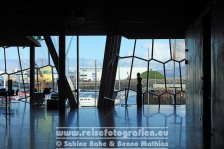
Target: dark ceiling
137	19
15	40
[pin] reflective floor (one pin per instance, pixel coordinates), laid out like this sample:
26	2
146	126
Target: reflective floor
22	130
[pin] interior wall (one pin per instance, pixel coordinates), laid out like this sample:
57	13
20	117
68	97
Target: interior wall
194	100
195	84
217	74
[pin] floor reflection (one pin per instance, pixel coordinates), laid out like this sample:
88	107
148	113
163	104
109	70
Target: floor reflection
37	129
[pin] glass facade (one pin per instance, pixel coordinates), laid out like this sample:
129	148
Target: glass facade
159	61
15	65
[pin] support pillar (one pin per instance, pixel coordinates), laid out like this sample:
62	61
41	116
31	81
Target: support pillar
109	71
55	59
206	87
207	74
32	72
61	73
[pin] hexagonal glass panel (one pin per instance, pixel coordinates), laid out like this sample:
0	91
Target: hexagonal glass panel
127	47
144	48
139	66
161	50
173	77
178	49
157	78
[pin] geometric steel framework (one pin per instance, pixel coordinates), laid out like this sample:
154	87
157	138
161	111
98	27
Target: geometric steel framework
133	56
18	71
21	70
164	69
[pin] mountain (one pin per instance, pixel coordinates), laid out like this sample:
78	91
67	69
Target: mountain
170	72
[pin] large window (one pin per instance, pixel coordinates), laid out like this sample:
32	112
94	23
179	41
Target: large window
161	65
16	67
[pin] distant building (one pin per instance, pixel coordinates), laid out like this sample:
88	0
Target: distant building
87	74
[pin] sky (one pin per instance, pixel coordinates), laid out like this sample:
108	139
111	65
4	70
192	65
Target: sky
92	48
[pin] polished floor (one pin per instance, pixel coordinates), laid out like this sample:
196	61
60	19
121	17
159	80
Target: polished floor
36	128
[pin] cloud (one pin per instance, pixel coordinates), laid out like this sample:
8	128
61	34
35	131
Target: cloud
161	50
